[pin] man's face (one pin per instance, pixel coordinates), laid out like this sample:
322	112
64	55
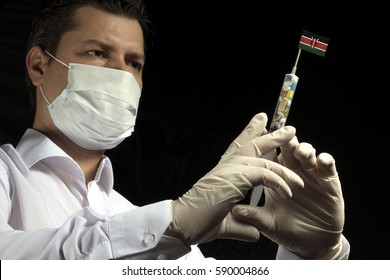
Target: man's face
100	39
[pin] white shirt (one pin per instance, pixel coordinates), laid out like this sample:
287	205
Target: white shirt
48	212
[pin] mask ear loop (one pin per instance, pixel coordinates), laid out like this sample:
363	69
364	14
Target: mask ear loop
40	88
59	61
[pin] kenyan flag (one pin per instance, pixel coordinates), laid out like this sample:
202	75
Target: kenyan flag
313	43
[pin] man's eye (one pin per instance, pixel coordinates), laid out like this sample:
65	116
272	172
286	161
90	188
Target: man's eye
96	53
135	65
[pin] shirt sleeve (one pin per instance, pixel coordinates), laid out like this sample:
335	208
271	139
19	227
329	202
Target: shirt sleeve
135	234
147	225
284	254
195	254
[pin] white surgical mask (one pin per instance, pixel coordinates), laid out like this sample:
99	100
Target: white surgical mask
98	108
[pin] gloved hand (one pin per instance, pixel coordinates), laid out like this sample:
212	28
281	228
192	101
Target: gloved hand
202	213
309	224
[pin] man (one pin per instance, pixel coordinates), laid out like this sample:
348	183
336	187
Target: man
84	63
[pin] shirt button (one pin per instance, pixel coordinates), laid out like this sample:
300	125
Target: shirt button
148	239
162	257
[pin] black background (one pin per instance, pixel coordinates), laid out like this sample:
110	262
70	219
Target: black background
212	67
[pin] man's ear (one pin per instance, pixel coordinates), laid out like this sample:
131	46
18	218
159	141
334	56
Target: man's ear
36	63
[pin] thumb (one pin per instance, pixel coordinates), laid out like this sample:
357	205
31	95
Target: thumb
233	228
255	128
254	216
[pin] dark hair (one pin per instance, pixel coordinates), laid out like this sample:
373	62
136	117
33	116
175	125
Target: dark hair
58	17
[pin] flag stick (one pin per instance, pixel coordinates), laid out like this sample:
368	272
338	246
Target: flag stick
296	61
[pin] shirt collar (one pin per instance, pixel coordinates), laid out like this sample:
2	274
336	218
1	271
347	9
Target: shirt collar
34	147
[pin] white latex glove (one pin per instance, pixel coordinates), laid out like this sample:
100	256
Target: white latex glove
309	224
202	213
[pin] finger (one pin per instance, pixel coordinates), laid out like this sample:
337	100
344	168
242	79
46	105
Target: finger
255	216
246	172
274	176
287	154
255	128
268	142
237	229
326	165
306	155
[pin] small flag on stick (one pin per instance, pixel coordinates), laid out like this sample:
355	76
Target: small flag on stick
313	43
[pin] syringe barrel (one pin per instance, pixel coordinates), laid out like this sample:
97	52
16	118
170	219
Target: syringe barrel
279	119
283	105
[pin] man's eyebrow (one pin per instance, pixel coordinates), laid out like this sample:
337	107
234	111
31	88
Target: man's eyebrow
99	43
107	47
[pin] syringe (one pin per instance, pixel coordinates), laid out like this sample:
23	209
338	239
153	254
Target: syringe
279	119
312	43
